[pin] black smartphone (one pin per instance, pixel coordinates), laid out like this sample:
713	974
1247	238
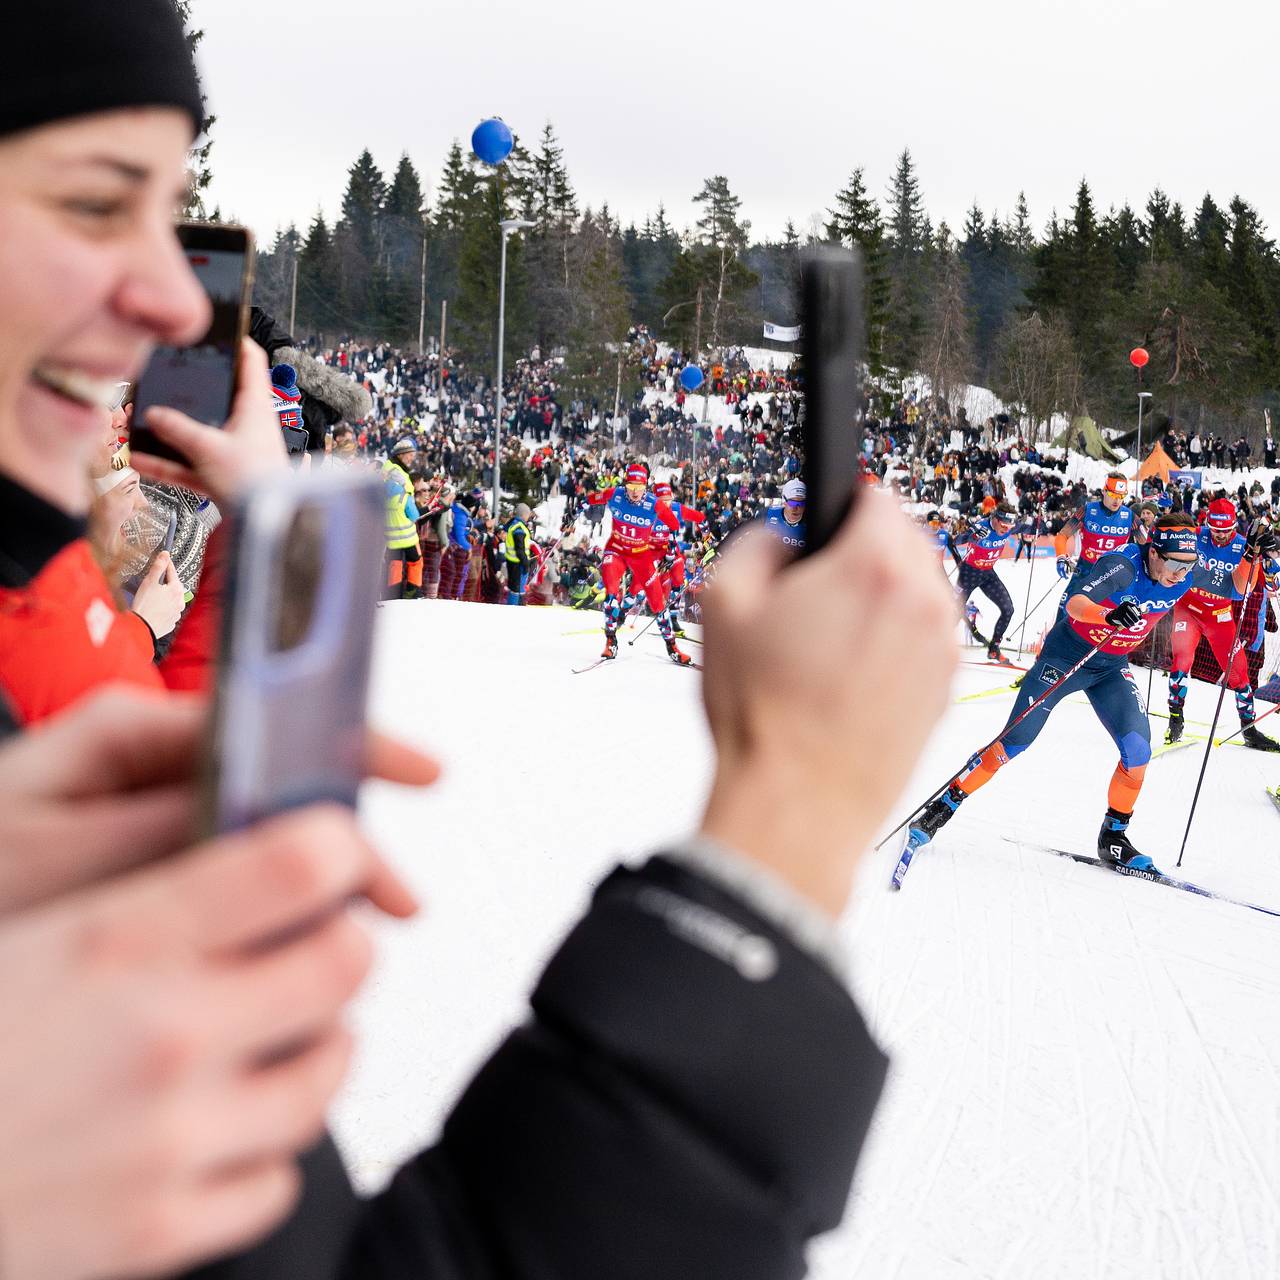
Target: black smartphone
833	346
200	380
304	576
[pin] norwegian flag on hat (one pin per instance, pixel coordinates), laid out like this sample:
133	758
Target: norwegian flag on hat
287	397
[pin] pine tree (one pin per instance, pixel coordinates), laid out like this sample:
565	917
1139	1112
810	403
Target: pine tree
404	230
906	242
718	222
948	344
647	262
908	224
318	282
1209	241
725	236
199	173
273	281
855	222
1249	285
975	253
479	261
554	203
1021	236
458	184
601	315
553	206
1126	240
1166	239
519	181
359	248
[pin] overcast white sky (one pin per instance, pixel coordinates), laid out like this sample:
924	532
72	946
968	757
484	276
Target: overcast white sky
784	98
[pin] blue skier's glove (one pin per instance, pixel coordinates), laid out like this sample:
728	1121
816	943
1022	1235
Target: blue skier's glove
1066	566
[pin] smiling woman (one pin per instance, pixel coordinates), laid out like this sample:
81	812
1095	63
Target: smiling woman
92	277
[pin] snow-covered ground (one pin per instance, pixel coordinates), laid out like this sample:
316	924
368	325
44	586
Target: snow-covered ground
1085	1067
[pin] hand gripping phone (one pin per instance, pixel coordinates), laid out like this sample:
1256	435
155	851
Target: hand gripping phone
833	353
305	568
200	380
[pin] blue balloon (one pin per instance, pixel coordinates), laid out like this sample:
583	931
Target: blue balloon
691	377
491	140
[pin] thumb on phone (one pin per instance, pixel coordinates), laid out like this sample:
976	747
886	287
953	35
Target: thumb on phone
157	568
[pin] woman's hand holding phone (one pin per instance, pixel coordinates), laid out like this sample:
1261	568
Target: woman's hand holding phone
223	462
160	597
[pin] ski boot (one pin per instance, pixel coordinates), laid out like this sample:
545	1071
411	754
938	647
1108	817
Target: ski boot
676	629
994	654
675	654
610	644
1255	738
1175	725
934	816
1115	847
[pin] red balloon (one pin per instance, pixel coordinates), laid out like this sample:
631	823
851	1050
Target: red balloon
1138	357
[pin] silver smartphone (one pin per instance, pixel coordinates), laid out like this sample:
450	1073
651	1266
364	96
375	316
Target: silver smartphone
303	583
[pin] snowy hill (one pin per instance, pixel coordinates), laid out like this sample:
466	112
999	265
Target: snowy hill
1084	1067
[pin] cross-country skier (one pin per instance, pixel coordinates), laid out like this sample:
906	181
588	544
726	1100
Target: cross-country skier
670	553
938	533
786	522
1119	604
1104	525
986	541
1228	562
634	511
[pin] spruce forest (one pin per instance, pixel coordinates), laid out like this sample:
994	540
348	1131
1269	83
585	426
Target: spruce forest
1044	316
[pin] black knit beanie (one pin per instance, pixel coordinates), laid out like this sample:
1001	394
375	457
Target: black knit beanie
70	58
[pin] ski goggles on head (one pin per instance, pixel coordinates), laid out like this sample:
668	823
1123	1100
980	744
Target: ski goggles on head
1116	485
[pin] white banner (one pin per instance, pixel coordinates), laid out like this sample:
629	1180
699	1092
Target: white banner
781	332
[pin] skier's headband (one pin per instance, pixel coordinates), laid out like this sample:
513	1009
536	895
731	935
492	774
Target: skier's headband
1116	485
1179	540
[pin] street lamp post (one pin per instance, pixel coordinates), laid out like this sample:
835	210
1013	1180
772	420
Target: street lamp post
1142	396
508	226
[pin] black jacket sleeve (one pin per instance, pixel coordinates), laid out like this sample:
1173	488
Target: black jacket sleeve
688	1099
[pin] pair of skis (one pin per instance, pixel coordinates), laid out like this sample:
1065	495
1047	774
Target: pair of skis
1135	873
601	660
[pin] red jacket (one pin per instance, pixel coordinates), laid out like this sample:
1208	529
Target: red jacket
62	636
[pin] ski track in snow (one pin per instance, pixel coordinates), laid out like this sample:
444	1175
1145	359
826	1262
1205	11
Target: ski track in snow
1084	1068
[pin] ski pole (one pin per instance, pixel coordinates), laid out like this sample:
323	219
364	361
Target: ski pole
1017	644
639	597
1052	587
653	617
1237	732
1217	711
1013	724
